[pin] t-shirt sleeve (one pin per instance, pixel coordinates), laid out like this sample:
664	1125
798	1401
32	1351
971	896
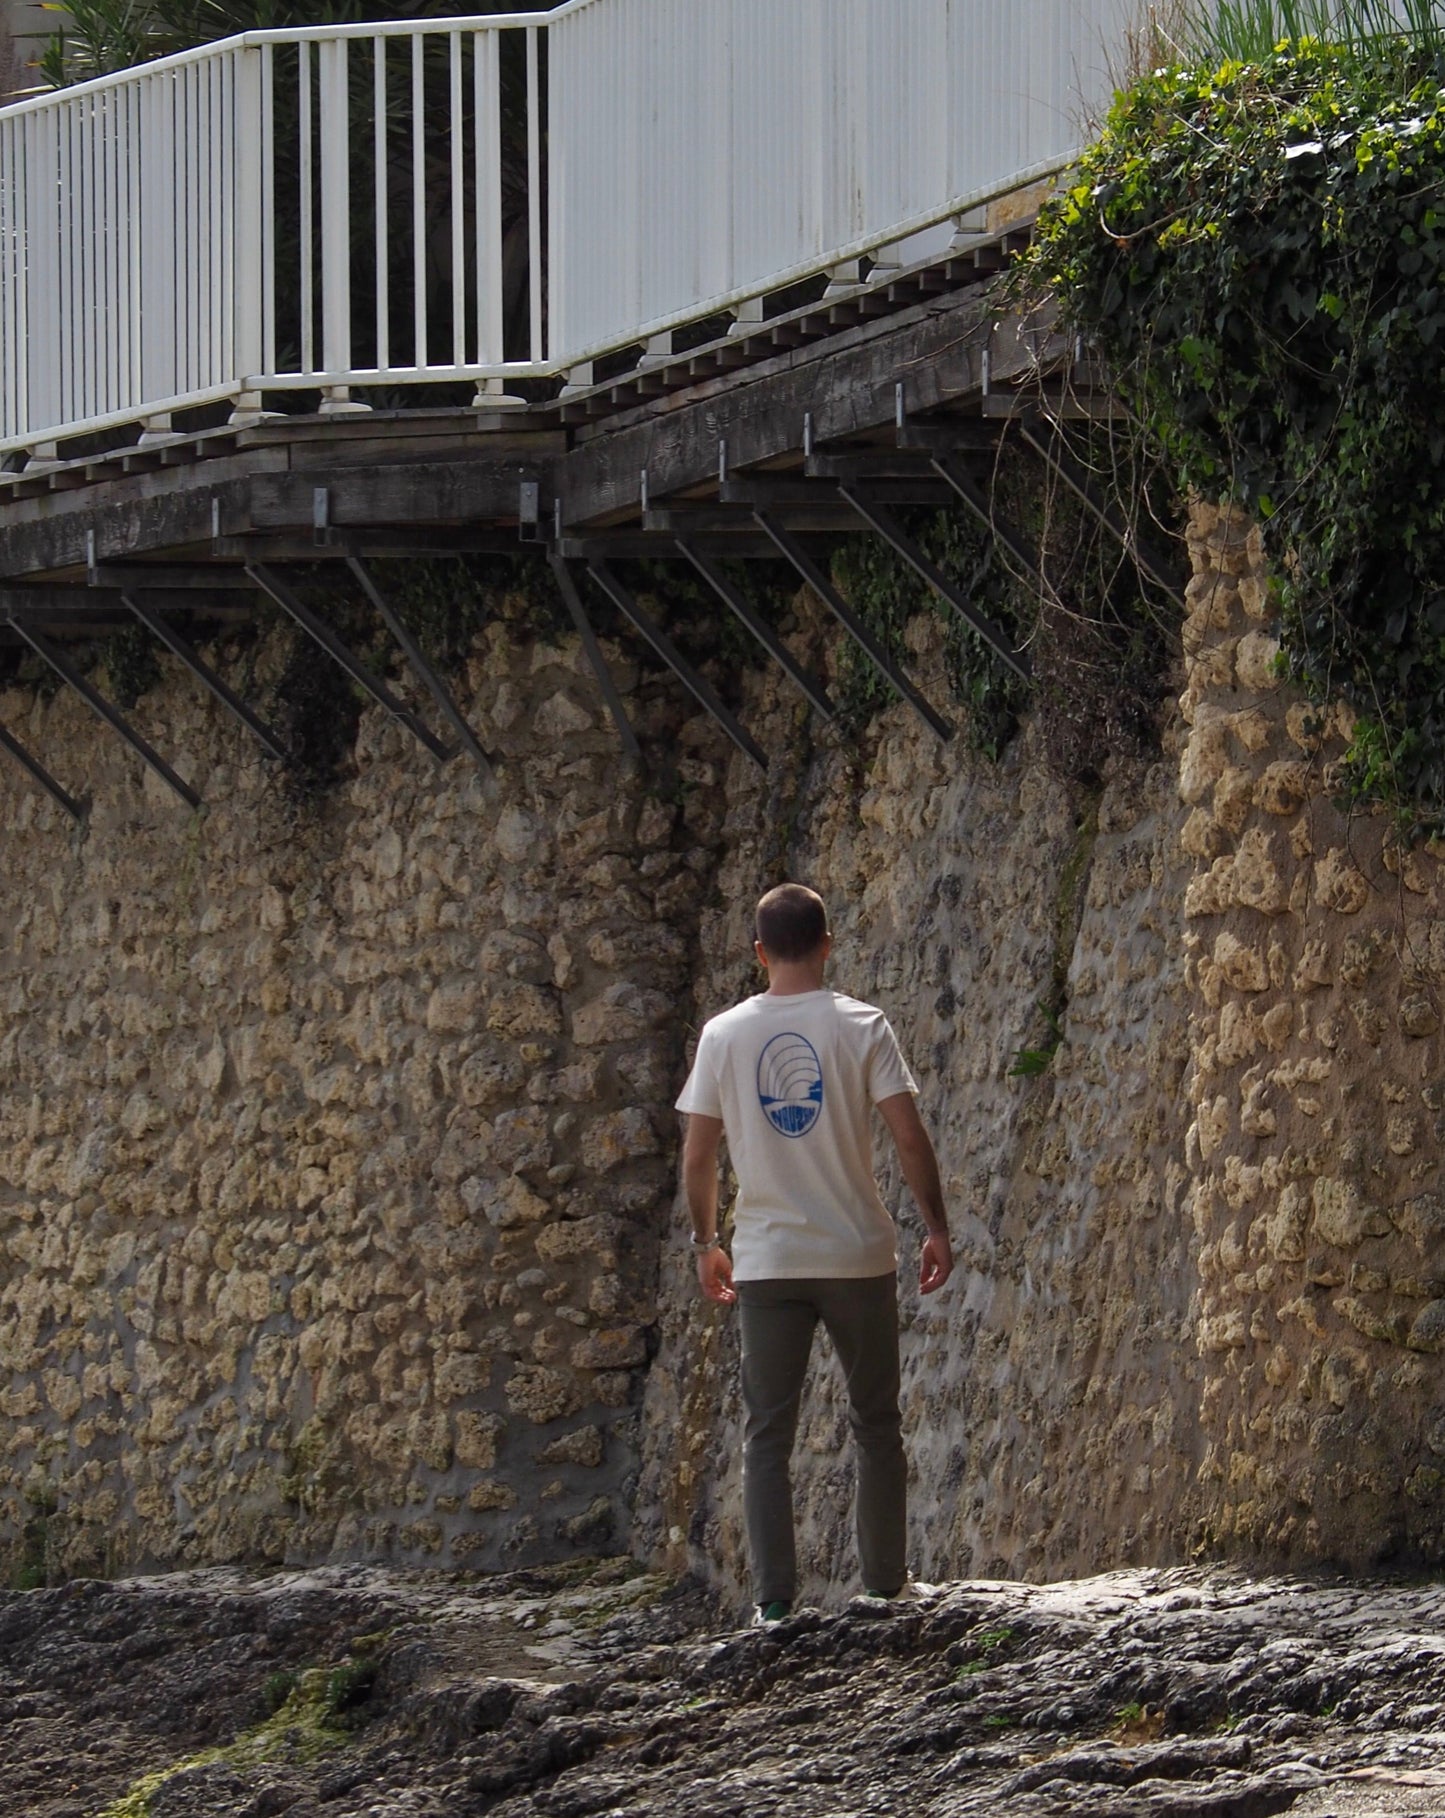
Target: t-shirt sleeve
888	1073
701	1093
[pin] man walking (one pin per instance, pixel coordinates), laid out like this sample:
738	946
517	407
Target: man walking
790	1077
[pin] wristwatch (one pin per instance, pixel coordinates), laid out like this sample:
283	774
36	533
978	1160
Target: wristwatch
704	1244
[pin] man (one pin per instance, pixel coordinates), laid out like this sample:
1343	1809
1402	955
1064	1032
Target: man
790	1076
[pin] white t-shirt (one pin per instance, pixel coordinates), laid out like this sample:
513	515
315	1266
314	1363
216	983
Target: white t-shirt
794	1079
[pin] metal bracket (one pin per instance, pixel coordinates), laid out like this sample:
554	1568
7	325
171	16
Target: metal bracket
205	675
676	661
803	679
323	634
567	587
430	679
41	775
112	716
887	527
808	570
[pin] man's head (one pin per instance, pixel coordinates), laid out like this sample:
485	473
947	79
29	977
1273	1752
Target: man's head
792	925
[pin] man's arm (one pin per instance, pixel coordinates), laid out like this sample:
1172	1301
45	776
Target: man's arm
920	1170
699	1180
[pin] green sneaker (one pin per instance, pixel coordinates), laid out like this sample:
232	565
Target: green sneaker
776	1611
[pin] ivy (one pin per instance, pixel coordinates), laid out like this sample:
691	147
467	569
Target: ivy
1258	251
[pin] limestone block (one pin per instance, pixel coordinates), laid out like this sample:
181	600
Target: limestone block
559	716
1285	1227
1276	1026
520	1139
477	1438
461	1373
623	1012
505	1203
1243	965
1307	725
1314	969
521	838
1256	880
1233	794
1342	1216
1254	597
1252	729
1223	1332
1212	892
1423	1219
489	1495
429	1436
1418	1015
1256	1118
614	1348
594	1238
1361	955
452	1007
1238	1036
1369	1020
520	1010
1427	1332
1283	787
1204	760
1202	837
540	1395
1338	884
1212	1124
490	1074
1389	1326
583	1447
620	1137
1254	661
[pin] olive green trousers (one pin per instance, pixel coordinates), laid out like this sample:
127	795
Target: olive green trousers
779	1318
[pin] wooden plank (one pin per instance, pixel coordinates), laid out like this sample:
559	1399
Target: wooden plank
424	492
937	353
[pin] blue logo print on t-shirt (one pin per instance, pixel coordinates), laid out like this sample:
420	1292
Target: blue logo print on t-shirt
790	1084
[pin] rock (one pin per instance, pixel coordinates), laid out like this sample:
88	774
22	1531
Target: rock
614	1348
540	1395
1428	1331
623	1012
1338	884
1342	1216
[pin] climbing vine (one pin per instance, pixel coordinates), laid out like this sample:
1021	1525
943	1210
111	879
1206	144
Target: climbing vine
1257	250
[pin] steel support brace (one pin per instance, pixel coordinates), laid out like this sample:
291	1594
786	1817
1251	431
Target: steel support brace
205	675
974	497
112	716
277	589
676	661
808	570
567	587
433	683
41	775
803	679
1146	559
887	527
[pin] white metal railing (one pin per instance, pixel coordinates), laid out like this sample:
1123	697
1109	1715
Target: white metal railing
497	198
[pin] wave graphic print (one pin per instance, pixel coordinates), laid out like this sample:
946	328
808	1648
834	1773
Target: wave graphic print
790	1084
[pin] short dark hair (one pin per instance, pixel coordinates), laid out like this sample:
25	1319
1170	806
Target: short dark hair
791	922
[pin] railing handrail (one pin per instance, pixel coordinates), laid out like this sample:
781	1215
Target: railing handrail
296	34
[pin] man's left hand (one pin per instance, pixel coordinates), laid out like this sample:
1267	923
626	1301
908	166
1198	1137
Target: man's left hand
715	1276
936	1264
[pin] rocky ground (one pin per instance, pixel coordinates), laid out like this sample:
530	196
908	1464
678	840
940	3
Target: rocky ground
354	1692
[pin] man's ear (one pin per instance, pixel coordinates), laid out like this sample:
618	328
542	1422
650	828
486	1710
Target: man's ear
762	956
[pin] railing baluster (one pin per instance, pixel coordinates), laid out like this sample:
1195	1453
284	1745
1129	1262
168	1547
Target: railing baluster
487	113
534	192
268	210
335	225
418	203
308	354
247	290
379	173
459	246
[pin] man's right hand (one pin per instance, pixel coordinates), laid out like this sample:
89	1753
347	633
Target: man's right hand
936	1264
715	1276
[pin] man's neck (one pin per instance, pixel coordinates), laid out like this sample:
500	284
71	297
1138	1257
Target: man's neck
791	981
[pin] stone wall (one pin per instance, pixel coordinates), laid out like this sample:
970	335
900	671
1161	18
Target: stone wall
337	1202
1315	952
330	1143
